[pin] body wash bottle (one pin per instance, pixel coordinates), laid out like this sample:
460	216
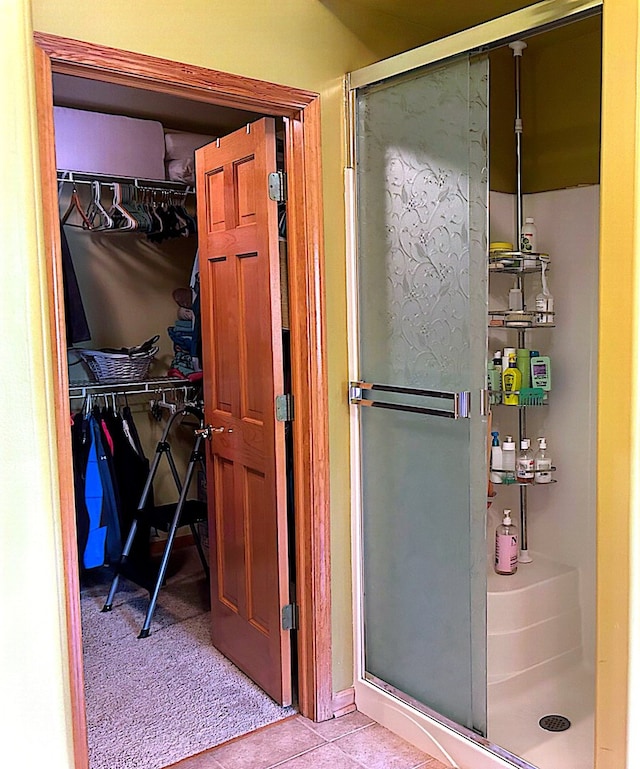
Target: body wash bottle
542	462
508	460
495	476
506	555
525	468
511	382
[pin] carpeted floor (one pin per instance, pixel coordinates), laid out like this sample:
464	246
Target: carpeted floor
154	701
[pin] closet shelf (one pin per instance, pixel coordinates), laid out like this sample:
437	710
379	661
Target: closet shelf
85	177
80	389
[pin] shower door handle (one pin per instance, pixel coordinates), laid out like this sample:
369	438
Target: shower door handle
460	401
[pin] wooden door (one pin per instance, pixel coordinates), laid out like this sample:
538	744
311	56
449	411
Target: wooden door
243	374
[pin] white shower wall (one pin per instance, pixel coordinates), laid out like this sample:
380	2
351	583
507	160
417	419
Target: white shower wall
561	519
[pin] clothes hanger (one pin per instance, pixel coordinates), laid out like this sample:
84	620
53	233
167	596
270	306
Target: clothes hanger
97	211
122	218
76	205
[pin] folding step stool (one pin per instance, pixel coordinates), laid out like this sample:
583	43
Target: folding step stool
167	517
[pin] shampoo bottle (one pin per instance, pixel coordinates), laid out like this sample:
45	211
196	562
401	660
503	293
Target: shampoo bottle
529	237
544	301
497	377
495	476
508	460
525	468
523	363
542	462
516	300
511	382
494	378
506	555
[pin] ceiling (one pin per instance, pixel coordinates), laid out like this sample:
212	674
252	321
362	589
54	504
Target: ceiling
388	27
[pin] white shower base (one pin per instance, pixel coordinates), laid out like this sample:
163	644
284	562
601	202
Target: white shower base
513	718
534	665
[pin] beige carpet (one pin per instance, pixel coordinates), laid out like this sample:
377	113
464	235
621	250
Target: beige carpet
154	701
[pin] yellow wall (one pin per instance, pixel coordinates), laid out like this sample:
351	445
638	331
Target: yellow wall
618	600
300	43
33	656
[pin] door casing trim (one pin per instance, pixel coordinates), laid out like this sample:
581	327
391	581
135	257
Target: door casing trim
301	111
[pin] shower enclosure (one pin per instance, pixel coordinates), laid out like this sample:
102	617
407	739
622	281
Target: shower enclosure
419	332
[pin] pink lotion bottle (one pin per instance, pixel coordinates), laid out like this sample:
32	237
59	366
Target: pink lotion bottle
506	557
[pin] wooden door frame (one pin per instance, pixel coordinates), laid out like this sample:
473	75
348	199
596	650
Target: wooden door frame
308	351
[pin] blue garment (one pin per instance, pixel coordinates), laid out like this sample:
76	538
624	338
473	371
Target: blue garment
103	542
94	548
180	339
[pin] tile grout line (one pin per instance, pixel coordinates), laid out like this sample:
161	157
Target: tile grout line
325	742
346	734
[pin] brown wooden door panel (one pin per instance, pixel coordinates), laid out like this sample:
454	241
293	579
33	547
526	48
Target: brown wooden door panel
243	373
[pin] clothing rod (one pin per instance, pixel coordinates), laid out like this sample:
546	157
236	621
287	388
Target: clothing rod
84	177
146	386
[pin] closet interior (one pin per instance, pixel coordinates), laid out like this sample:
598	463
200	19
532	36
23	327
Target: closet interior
126	182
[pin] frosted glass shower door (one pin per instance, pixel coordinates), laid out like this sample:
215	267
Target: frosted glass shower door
421	197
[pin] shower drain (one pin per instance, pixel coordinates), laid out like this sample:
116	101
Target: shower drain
554	723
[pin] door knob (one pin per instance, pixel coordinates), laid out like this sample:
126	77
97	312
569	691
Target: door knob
208	431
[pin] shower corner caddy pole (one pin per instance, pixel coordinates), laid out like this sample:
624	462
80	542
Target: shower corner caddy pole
518	47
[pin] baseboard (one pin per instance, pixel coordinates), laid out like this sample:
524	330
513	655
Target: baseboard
344	702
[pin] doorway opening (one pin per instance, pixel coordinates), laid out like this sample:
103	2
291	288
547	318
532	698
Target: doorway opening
102	67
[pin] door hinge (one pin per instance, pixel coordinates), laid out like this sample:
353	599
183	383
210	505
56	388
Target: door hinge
284	408
290	617
278	186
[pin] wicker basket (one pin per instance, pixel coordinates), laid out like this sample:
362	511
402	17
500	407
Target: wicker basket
108	366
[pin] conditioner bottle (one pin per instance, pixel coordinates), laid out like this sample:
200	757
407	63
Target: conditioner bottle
542	462
525	467
506	556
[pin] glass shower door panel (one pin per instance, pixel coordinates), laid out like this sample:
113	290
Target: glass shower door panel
421	161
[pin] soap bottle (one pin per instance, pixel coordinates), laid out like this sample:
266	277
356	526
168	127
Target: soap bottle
511	382
523	364
544	300
506	553
525	468
497	376
516	299
529	236
542	463
505	357
508	460
495	476
494	378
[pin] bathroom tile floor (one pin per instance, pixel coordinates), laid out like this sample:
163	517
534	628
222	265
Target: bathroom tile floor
349	742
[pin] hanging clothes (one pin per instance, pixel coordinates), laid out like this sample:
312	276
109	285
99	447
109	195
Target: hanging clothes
130	468
110	470
98	525
75	317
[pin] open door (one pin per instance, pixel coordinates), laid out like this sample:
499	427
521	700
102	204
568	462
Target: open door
243	374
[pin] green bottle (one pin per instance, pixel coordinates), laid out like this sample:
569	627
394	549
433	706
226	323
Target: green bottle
523	363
